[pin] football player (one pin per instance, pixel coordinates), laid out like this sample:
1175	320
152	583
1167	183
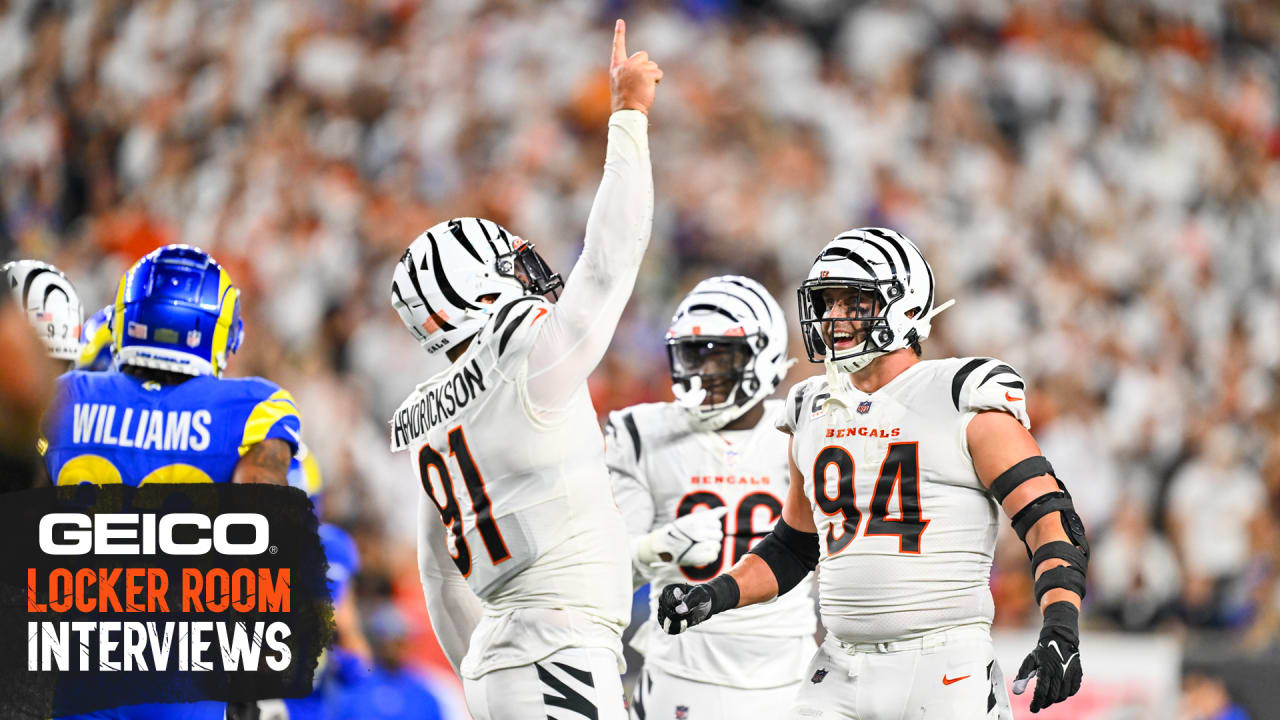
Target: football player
699	482
96	355
168	415
26	385
522	550
51	304
897	468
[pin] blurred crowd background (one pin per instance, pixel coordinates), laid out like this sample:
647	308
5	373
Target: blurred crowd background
1097	182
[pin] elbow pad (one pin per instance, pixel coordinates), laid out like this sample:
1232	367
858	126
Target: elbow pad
1075	552
789	553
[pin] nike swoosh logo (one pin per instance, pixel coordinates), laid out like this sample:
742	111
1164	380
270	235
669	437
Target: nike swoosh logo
1065	665
1011	398
948	681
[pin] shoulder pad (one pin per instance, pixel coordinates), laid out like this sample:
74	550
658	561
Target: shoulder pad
622	436
275	415
800	399
989	384
504	330
257	388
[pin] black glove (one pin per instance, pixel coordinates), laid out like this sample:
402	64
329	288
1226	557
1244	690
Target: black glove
681	606
1055	662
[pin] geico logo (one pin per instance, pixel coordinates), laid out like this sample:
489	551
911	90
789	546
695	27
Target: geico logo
142	534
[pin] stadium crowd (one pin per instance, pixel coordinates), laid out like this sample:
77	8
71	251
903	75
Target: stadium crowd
1097	182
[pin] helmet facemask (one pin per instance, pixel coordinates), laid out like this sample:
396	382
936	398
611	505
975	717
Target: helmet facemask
861	332
526	266
711	374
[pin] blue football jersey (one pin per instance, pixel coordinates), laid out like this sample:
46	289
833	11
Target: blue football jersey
109	427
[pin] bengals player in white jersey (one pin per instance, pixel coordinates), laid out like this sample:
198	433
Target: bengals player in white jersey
522	550
700	481
897	468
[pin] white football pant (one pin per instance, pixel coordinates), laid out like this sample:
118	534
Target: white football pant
659	696
570	684
950	674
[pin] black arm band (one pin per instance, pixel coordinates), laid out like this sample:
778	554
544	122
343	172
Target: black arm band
1009	480
1065	577
1063	617
789	553
725	593
1038	508
1061	550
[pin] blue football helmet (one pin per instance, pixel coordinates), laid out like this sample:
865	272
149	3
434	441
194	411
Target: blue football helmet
177	310
96	342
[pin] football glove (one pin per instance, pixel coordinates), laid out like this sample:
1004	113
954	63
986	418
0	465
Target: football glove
693	539
1055	661
681	605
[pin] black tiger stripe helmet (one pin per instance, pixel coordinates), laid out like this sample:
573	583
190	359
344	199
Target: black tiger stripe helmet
442	277
50	302
892	284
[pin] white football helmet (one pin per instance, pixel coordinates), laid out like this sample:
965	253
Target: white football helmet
51	304
727	349
441	278
888	276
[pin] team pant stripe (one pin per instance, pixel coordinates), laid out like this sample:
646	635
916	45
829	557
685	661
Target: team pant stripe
991	694
557	692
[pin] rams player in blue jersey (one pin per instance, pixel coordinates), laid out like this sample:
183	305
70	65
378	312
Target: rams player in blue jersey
340	662
168	415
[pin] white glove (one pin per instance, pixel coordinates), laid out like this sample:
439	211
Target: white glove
693	539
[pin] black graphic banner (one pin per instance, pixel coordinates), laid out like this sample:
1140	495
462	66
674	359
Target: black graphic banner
114	595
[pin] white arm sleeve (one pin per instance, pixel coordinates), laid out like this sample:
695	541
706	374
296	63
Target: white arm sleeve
454	610
579	329
630	488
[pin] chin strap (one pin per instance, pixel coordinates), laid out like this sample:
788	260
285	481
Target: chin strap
836	385
692	398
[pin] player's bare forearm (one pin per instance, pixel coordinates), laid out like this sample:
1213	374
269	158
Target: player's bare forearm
266	462
756	580
796	510
756	583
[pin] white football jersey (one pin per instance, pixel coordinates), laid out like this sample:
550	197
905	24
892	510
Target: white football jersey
532	524
662	469
906	529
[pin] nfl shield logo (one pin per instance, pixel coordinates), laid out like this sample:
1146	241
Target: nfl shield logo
193	338
682	712
864	407
817	676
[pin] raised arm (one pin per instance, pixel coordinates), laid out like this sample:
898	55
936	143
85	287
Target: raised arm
578	331
1008	462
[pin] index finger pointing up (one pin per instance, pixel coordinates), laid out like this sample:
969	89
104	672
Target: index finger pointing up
619	43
